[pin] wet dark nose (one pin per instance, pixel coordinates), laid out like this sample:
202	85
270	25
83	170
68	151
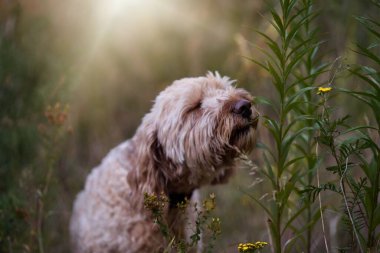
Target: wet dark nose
243	108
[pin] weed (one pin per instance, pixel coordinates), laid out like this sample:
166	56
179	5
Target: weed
204	226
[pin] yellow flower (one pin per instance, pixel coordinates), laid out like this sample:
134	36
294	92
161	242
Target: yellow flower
322	90
251	247
215	226
209	204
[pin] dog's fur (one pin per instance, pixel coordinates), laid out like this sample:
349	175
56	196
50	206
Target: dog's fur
190	138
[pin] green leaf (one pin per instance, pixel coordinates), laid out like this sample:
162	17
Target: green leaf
371	171
289	188
338	169
359	93
296	28
374	84
313	191
266	148
277	81
366	52
286	144
292	101
297	47
297	58
322	69
257	201
376	217
272	45
278	21
293	217
269	171
257	63
273	128
287	7
367	21
288	164
270	56
354	129
296	120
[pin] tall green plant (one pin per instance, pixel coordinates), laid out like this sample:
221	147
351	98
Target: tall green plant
294	68
307	74
356	152
371	167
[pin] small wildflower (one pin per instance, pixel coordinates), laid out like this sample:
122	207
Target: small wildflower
215	226
155	203
322	90
183	205
209	204
251	247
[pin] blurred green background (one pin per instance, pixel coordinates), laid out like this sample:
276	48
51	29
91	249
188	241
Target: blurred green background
76	77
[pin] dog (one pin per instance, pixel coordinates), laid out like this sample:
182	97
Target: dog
193	136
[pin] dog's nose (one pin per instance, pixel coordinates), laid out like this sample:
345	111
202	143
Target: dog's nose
243	108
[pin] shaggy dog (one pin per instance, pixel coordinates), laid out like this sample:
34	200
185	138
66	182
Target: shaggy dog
193	136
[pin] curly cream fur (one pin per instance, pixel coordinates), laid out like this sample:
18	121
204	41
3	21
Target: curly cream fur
190	138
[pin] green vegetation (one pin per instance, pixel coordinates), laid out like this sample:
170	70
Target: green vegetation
303	124
203	224
290	163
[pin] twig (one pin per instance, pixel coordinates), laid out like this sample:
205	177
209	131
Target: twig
319	194
320	206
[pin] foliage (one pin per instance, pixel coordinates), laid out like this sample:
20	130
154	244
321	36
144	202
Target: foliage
30	144
205	225
294	68
296	124
356	152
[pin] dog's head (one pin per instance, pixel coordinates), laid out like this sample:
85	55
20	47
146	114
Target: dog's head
202	123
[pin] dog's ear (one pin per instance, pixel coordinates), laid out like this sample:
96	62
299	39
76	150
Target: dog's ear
147	176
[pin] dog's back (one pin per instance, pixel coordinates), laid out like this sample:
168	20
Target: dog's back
102	215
